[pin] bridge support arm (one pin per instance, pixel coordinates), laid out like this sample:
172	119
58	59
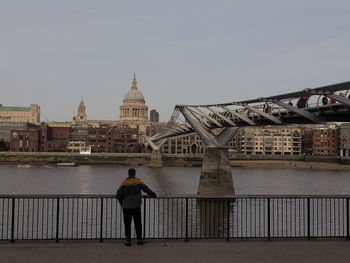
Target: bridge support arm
226	136
156	157
239	115
204	133
264	114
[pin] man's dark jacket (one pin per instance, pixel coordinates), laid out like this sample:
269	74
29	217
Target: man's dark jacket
129	193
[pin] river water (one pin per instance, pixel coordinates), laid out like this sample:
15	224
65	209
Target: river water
104	179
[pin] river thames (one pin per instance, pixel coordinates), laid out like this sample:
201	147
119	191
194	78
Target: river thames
104	179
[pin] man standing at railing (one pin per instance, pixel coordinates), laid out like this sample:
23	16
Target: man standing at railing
129	197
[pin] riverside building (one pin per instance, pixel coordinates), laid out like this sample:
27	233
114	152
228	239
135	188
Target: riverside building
325	141
321	140
185	145
269	140
11	114
344	140
26	140
16	117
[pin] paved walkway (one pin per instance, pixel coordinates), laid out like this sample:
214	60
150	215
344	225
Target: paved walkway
177	251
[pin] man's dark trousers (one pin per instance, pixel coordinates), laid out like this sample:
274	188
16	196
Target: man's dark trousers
136	215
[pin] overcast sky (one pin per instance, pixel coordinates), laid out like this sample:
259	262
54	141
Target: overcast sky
52	53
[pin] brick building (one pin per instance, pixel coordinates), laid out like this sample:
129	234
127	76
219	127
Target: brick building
125	140
325	141
7	127
98	139
54	139
113	139
306	140
26	140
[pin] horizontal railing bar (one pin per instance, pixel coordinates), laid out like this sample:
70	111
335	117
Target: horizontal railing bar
169	197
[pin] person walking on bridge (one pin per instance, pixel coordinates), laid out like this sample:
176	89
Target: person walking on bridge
129	197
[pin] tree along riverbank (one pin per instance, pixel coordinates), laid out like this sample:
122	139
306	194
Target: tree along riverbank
143	159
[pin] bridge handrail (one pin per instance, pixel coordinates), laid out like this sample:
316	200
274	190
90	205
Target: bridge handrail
99	217
308	91
171	196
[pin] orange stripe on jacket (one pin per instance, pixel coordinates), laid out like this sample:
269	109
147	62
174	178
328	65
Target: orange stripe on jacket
131	182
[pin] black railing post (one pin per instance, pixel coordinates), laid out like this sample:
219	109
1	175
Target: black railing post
347	219
268	220
57	219
308	219
186	219
13	221
101	221
228	220
144	218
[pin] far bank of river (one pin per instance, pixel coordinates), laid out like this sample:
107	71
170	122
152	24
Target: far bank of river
188	160
283	164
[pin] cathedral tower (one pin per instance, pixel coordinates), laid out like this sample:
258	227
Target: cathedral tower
81	115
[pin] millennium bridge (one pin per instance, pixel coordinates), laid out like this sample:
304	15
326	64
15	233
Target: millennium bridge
216	124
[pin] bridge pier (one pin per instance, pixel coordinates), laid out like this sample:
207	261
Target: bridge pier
156	159
215	180
216	176
156	156
213	214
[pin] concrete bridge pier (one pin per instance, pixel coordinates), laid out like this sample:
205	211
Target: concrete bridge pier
156	159
216	177
213	214
156	156
215	180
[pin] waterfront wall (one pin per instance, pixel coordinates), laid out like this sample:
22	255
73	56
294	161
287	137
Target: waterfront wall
129	159
190	160
96	158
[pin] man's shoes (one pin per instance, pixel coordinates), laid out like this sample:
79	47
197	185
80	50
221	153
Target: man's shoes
141	242
127	243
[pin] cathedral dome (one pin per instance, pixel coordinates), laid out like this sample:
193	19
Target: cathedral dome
134	95
133	107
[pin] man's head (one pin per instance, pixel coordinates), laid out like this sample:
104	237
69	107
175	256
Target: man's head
131	173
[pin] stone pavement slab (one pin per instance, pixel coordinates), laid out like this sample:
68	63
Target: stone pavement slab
177	251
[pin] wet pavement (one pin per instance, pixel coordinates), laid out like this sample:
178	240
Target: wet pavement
177	251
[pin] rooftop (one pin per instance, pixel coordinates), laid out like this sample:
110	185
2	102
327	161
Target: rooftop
14	108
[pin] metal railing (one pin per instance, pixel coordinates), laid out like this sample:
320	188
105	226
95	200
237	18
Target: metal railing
99	217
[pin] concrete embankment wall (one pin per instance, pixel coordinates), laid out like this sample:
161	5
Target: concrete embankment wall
96	158
129	159
181	160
